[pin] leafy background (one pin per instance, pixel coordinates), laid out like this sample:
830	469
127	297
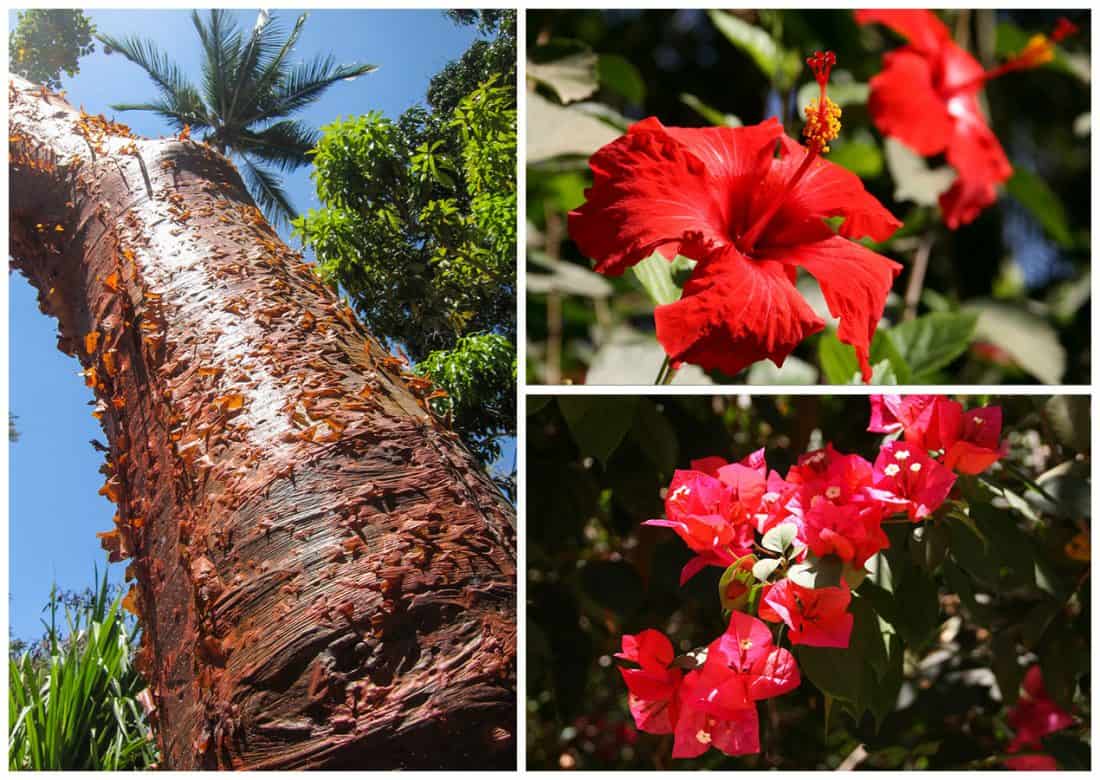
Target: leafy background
1005	299
973	616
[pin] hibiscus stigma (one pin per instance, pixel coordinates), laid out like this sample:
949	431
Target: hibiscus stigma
822	115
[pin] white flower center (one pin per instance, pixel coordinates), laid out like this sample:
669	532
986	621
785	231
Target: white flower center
833	492
703	736
892	469
901	454
683	490
915	467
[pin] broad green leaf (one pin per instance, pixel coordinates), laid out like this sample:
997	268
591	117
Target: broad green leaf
816	572
929	544
1069	418
1044	204
913	179
845	673
1028	338
598	423
573	77
794	371
843	93
884	349
931	342
1069	485
1006	666
656	437
838	361
536	403
566	278
658	277
619	75
862	158
557	131
781	66
712	115
918	612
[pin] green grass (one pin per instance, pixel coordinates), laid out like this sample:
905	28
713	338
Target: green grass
74	705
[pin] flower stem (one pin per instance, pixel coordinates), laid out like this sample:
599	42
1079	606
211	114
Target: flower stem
666	374
916	276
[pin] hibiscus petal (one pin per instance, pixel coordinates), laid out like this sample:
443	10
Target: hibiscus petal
648	191
905	104
921	27
735	311
731	152
855	282
825	190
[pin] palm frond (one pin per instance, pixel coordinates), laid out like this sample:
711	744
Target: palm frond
304	84
263	44
177	115
268	191
285	144
272	70
221	43
168	76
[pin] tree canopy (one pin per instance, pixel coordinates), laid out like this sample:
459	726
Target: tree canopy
47	42
418	227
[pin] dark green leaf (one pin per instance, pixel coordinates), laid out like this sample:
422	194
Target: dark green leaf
931	342
598	423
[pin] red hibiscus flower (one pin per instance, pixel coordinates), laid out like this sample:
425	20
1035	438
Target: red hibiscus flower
919	483
927	97
817	617
750	218
653	687
1034	717
718	700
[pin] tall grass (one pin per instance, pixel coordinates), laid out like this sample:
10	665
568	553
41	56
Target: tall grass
74	704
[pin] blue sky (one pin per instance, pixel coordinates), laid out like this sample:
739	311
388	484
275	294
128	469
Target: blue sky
54	508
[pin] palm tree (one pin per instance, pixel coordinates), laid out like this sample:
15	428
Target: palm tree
249	87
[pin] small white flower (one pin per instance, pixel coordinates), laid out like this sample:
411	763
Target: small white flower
832	493
915	467
892	469
901	454
703	736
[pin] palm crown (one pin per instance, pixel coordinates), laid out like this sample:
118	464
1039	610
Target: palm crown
248	89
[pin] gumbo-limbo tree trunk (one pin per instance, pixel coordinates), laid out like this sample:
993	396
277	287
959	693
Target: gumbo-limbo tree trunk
325	577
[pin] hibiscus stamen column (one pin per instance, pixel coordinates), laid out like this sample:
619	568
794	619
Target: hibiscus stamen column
1038	51
822	126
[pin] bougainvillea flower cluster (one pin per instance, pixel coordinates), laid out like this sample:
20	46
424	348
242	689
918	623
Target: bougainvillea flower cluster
926	97
749	204
1035	716
765	529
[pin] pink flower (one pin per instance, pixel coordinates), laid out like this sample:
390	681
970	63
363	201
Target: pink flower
1034	717
851	532
974	441
919	484
817	617
654	687
718	700
970	441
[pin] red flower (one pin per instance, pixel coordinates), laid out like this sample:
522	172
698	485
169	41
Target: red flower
653	687
718	700
851	532
970	441
927	97
1034	717
919	483
722	197
817	617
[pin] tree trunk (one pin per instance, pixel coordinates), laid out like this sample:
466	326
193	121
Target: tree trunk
325	576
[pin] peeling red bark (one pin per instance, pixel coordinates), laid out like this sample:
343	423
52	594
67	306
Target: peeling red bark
325	576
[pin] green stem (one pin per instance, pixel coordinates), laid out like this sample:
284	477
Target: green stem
666	374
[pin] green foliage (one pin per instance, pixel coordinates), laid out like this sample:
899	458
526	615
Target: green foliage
418	226
250	84
947	618
1022	265
75	705
479	377
47	42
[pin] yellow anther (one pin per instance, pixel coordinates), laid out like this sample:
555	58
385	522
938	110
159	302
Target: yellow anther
1039	51
822	124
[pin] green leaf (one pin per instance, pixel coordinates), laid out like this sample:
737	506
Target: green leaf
1027	337
838	361
816	572
598	423
536	403
659	277
565	277
734	573
1006	666
712	115
884	349
1069	416
913	180
931	342
929	544
1037	197
557	131
780	66
573	77
845	673
862	158
656	437
779	538
619	75
918	609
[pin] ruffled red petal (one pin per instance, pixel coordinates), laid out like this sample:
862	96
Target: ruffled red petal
825	190
921	27
855	282
905	104
733	312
